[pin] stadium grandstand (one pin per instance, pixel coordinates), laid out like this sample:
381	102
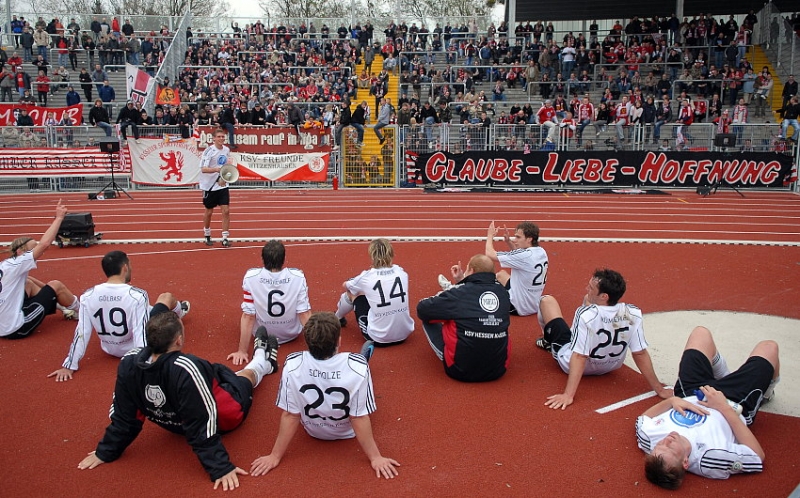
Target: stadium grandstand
704	83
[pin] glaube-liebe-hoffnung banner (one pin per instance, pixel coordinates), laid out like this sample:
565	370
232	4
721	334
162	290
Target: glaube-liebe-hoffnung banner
635	168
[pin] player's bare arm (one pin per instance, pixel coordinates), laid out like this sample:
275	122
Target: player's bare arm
716	400
383	466
675	403
49	236
62	374
230	481
507	238
241	356
645	365
490	234
91	461
577	364
286	430
303	317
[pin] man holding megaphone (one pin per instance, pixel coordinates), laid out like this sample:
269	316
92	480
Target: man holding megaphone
216	172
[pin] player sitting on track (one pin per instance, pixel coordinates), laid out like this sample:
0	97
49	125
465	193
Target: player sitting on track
215	189
183	394
708	437
379	297
330	393
24	301
274	297
467	325
528	262
117	311
602	331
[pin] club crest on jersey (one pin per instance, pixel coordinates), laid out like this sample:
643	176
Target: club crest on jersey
221	160
690	419
489	302
155	395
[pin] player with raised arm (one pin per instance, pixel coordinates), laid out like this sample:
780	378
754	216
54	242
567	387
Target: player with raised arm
183	394
602	332
215	189
118	312
274	297
527	261
24	301
330	393
704	429
379	297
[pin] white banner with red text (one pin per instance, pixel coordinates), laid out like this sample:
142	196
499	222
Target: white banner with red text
9	113
57	162
164	162
311	167
177	163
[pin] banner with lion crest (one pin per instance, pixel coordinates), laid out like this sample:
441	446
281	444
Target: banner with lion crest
174	162
164	162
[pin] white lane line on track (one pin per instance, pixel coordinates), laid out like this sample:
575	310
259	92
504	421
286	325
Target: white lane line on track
399	238
625	402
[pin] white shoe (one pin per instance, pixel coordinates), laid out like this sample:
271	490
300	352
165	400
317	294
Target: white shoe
444	283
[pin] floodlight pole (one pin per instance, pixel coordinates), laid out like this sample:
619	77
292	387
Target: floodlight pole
511	9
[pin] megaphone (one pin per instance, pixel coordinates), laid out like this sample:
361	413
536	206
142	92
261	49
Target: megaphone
229	173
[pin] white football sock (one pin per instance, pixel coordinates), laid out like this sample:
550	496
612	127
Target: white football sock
719	366
75	306
344	307
259	366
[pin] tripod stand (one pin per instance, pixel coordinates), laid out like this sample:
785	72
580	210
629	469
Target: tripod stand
111	147
707	190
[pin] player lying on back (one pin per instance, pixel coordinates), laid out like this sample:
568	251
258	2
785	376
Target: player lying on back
335	405
704	428
183	394
274	297
379	298
602	332
118	312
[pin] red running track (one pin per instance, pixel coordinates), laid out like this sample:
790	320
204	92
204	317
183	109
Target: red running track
761	217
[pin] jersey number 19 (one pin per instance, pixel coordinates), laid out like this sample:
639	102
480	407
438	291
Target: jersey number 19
116	317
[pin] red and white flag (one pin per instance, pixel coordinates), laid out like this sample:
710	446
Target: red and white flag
139	84
412	172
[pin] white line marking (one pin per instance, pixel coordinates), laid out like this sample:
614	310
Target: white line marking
404	238
626	402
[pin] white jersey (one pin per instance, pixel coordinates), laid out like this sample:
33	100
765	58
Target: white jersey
118	312
276	299
13	276
528	277
213	157
715	452
604	334
386	290
326	393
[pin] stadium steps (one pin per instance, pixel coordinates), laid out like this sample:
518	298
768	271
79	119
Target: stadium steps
760	59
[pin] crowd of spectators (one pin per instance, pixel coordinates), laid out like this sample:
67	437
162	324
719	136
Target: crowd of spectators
250	75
